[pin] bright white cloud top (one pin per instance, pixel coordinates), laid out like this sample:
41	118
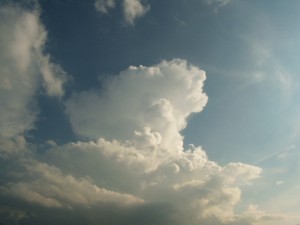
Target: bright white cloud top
147	103
129	164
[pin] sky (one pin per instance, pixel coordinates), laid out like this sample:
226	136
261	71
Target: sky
149	112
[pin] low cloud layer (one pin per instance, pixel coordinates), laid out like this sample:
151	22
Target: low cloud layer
132	167
132	9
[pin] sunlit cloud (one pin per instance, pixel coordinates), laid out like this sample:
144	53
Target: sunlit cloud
134	126
128	163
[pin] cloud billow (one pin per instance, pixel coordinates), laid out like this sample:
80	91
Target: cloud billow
132	167
148	104
134	124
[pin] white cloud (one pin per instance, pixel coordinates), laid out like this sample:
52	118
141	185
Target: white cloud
136	157
23	67
158	99
252	215
20	40
53	77
47	186
138	117
140	158
104	5
12	146
132	9
188	181
89	173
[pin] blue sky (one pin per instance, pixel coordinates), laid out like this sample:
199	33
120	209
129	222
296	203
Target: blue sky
149	112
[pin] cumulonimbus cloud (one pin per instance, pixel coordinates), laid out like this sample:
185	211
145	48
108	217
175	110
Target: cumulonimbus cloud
133	168
136	121
144	103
